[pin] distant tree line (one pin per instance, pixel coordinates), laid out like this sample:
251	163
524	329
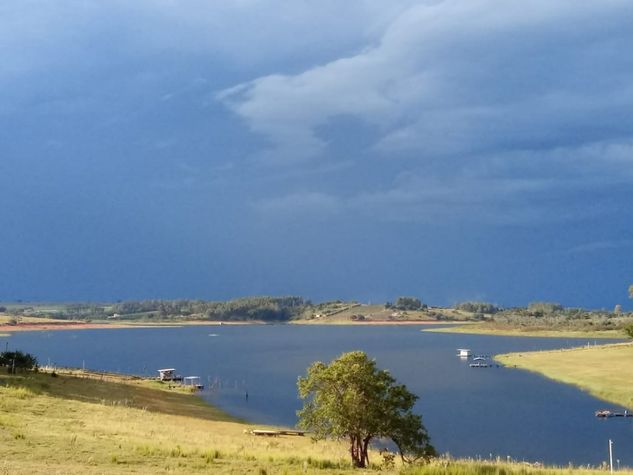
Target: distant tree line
407	303
536	315
553	316
542	308
477	307
247	308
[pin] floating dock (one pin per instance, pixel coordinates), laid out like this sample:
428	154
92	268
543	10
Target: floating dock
275	433
193	382
606	413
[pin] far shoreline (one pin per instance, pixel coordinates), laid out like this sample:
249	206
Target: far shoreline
7	330
478	329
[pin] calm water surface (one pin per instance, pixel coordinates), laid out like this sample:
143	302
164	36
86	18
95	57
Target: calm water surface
468	412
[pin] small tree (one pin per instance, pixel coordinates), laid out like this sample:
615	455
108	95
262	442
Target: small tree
15	360
351	399
477	307
628	329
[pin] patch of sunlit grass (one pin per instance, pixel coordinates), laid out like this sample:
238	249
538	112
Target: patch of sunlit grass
605	371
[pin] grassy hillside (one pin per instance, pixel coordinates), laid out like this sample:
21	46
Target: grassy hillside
93	424
276	309
358	313
6	318
604	371
74	425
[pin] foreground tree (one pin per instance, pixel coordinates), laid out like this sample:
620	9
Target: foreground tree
351	399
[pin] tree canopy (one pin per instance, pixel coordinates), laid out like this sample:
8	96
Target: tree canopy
407	303
541	308
352	399
477	307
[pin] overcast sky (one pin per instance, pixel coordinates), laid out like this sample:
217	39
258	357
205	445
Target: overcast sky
451	150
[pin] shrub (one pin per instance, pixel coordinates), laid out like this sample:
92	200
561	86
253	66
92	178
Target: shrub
544	307
18	360
477	307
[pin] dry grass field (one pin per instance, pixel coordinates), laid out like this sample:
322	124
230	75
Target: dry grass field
83	423
72	425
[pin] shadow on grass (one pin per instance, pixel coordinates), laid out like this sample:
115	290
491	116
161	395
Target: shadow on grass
113	390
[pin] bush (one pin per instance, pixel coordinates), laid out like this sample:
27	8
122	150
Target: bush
541	308
477	307
18	360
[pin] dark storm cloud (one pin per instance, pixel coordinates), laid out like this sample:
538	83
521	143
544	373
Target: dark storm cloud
354	149
500	97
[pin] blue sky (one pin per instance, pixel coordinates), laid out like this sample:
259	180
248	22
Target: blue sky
451	150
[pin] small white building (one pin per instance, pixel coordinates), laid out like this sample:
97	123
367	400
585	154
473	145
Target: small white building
167	374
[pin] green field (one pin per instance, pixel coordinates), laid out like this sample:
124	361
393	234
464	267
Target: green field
604	371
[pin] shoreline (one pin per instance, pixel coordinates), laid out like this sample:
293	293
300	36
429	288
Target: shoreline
475	329
7	330
452	327
602	371
372	322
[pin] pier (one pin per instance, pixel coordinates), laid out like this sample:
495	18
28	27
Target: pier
606	413
276	433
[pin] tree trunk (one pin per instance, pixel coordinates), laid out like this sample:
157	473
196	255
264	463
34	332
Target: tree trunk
357	451
365	451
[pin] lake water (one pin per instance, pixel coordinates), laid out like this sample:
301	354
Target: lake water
468	412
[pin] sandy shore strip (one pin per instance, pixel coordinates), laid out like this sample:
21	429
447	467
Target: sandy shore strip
65	325
27	327
6	329
373	322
